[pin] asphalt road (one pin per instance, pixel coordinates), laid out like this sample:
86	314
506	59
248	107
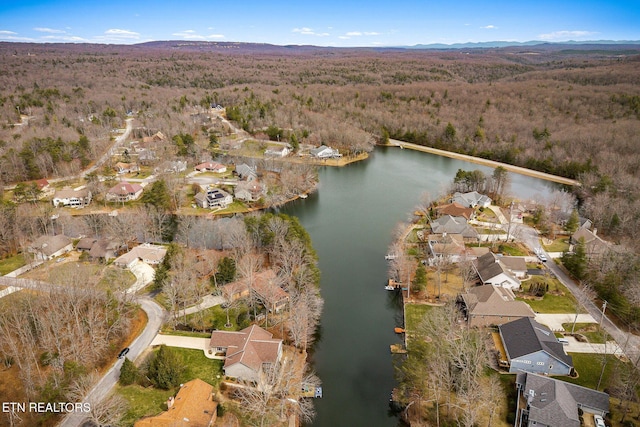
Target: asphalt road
156	315
628	342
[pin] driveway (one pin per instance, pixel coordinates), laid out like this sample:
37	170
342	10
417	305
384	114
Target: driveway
185	342
555	321
575	346
144	275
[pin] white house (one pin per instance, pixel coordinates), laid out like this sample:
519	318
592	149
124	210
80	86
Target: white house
75	198
212	197
277	151
492	271
124	192
324	152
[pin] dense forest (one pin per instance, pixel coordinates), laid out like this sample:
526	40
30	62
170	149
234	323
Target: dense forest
571	111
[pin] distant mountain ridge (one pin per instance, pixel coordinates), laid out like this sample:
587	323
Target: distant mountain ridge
499	44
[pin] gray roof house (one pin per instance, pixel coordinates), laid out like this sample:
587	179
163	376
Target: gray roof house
532	347
472	199
246	172
453	225
49	247
493	271
492	305
544	401
146	252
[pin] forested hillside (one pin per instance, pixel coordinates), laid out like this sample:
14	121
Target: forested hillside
568	111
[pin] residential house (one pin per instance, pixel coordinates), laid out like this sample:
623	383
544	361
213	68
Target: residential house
324	152
104	249
146	252
122	167
492	305
77	198
545	401
594	246
211	167
532	347
453	225
48	247
192	406
246	172
250	191
472	199
155	138
492	271
456	209
211	197
175	166
267	290
85	244
516	265
248	353
447	246
235	290
124	192
278	151
45	189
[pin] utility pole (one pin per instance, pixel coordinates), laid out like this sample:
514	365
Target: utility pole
604	307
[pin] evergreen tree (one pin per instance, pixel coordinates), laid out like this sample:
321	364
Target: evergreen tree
166	368
573	222
226	271
129	373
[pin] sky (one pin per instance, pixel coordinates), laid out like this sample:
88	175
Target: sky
322	23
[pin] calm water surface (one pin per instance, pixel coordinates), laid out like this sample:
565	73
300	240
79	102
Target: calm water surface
351	220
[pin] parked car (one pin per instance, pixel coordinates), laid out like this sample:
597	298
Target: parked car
123	353
599	421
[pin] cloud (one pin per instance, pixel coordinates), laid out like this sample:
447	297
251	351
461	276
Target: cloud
192	35
359	34
308	32
48	30
489	27
122	34
66	39
566	35
3	32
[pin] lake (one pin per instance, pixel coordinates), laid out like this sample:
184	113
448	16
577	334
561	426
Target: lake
351	220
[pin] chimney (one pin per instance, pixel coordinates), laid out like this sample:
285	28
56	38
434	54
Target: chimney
595	231
170	402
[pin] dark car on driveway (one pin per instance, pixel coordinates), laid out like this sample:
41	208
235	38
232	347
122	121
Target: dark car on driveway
123	353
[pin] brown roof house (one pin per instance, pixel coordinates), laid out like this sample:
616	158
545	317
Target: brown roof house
456	209
248	353
492	305
265	287
49	247
532	347
124	192
101	249
192	406
545	401
493	271
446	246
211	166
250	191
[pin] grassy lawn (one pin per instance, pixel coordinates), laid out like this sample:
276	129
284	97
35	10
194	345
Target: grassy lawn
558	299
10	264
589	366
558	245
414	314
591	331
148	401
512	249
143	402
490	231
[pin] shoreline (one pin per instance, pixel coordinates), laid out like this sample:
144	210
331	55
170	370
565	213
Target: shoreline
485	162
